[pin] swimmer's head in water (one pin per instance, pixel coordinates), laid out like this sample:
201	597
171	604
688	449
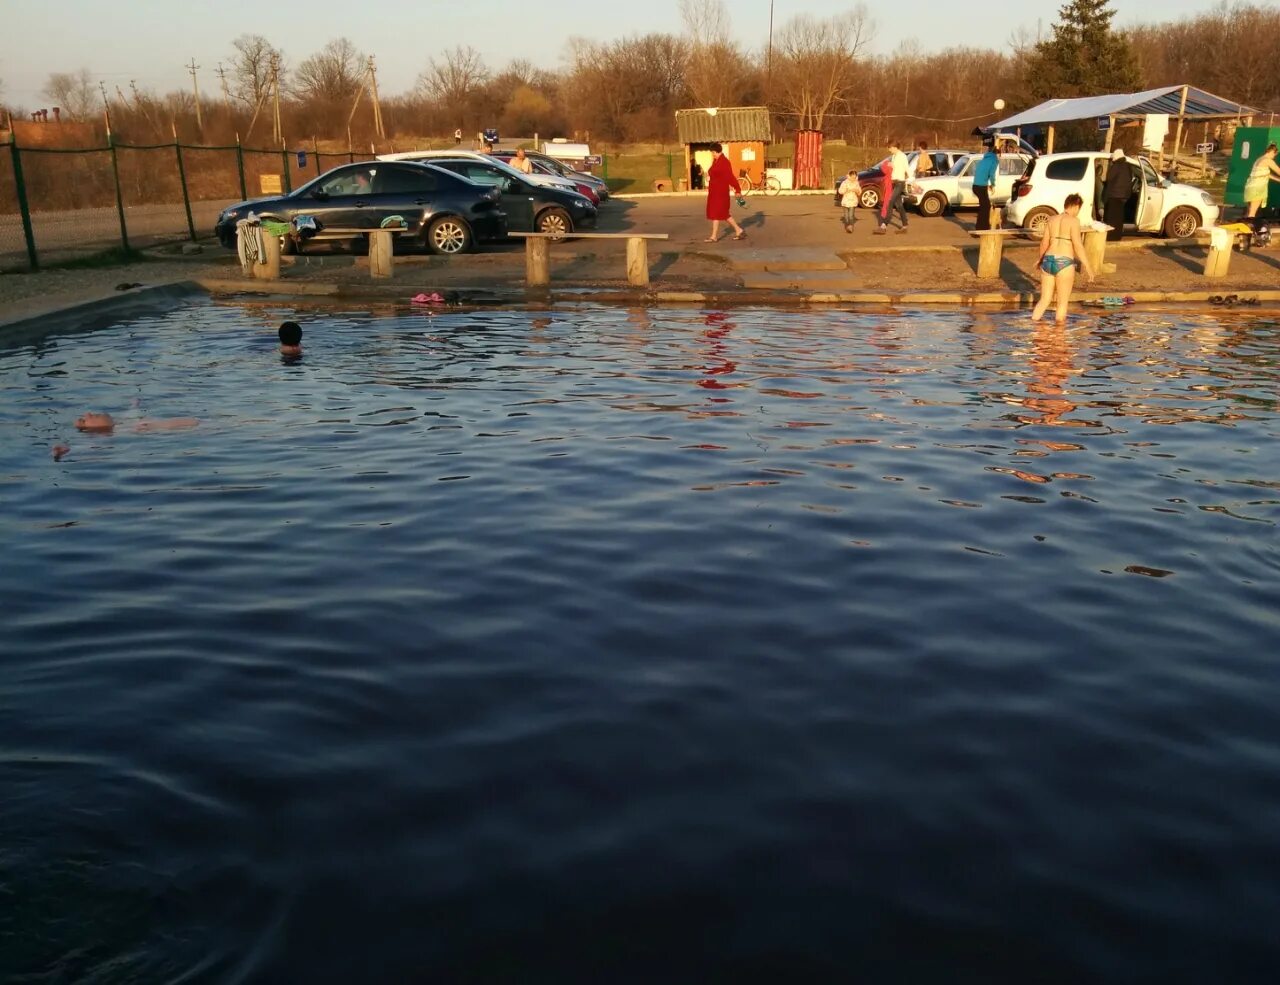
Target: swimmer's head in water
93	421
290	333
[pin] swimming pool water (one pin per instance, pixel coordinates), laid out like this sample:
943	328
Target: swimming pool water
618	645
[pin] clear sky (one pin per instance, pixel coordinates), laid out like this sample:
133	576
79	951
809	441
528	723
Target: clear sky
149	40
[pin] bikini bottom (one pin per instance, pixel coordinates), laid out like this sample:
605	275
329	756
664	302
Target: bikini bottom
1053	265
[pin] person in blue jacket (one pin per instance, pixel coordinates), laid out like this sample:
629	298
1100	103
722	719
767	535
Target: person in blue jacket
984	179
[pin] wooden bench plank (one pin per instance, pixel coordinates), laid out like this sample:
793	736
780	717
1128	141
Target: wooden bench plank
518	235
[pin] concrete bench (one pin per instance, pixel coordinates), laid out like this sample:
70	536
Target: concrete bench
1094	238
991	249
380	253
537	254
1221	243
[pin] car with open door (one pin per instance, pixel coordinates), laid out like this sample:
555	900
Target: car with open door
1157	205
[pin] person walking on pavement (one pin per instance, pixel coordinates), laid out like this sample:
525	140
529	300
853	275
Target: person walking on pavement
720	178
984	179
897	189
457	135
1116	192
850	191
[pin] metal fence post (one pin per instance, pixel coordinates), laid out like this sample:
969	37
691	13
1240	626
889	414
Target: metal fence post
244	190
186	197
23	208
284	159
115	174
604	166
670	172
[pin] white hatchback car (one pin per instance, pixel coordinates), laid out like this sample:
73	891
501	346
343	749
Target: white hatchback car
1158	205
954	190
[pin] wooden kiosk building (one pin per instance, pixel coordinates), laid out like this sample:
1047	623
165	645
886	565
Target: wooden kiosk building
743	131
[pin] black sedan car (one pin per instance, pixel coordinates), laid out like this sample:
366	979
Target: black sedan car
443	211
529	207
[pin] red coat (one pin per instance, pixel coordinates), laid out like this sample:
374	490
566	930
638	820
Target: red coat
720	178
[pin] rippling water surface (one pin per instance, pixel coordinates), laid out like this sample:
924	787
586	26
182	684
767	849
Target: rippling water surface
612	645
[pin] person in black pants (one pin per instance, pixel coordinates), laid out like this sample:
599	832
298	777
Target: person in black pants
984	179
1116	191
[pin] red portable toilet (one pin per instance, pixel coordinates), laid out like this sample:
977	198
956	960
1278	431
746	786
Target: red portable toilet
808	159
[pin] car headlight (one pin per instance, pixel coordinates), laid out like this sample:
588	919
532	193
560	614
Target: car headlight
579	204
1208	199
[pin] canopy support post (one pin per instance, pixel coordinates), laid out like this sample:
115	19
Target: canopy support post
1111	134
1177	135
1048	147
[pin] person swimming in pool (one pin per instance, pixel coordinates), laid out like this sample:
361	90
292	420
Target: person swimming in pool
290	339
1060	253
95	422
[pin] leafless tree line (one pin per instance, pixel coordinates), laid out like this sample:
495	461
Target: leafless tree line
817	73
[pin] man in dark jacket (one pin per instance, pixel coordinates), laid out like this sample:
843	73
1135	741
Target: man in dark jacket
1117	190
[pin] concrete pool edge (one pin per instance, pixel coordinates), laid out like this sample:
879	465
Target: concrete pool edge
722	297
86	313
114	304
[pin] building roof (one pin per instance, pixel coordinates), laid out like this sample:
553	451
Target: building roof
721	124
1127	104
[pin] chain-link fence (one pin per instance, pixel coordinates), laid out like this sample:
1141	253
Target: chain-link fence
58	204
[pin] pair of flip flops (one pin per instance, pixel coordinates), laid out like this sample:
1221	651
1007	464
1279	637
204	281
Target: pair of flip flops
1231	300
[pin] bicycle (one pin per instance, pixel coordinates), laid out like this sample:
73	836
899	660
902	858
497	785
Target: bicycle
769	184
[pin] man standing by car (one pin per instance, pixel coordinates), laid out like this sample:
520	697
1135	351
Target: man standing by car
984	179
522	163
1117	190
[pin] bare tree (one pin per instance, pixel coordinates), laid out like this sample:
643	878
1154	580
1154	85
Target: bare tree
706	22
251	67
814	63
456	77
74	92
716	71
333	74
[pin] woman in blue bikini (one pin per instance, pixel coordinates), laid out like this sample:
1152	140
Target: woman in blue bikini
1060	252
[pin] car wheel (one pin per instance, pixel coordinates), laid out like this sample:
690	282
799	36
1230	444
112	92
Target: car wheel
1182	222
932	205
1036	218
448	235
556	222
869	198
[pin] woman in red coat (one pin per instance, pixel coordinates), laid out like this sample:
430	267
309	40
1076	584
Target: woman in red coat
720	178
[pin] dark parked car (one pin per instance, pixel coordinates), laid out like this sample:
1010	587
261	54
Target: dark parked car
529	207
444	212
549	165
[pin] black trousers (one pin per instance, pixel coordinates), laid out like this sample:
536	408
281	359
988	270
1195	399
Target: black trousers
895	202
984	206
1113	216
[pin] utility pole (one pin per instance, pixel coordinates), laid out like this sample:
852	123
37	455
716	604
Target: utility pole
106	106
373	95
226	92
195	84
277	130
768	59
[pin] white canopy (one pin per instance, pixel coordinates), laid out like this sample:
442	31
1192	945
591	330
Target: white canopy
1167	100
